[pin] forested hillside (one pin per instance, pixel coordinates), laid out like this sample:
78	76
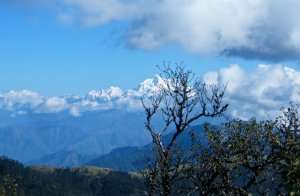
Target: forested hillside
17	180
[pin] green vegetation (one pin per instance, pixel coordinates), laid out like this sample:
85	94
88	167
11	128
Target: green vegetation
247	158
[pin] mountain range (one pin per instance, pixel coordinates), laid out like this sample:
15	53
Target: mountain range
33	126
124	159
103	128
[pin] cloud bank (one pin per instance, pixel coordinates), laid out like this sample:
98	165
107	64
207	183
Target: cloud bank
254	29
25	101
259	93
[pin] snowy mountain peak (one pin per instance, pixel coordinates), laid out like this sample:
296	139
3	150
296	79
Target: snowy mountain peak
111	98
106	94
151	85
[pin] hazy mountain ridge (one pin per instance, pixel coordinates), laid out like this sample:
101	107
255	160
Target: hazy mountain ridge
32	125
63	159
128	158
29	137
138	158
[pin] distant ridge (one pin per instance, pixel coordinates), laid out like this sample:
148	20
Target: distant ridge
63	159
137	158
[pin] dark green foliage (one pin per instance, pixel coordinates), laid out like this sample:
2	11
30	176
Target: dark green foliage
247	158
240	158
15	179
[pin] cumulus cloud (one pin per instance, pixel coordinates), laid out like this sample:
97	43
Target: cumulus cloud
259	93
55	104
98	12
16	99
255	29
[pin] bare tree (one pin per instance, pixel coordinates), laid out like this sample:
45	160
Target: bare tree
181	99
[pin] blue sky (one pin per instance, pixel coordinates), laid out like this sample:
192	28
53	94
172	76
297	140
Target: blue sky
41	53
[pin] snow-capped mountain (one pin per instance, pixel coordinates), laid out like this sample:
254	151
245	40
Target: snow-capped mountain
26	101
33	125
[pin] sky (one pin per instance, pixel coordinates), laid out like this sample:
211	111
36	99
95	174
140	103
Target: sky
60	47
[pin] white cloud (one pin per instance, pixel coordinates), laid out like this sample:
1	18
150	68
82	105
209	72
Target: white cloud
259	93
267	29
26	98
113	92
54	104
263	29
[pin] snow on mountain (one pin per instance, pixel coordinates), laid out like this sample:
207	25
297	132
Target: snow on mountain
33	126
106	94
150	85
24	101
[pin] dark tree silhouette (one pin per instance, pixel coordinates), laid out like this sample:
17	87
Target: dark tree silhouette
248	158
181	99
286	144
